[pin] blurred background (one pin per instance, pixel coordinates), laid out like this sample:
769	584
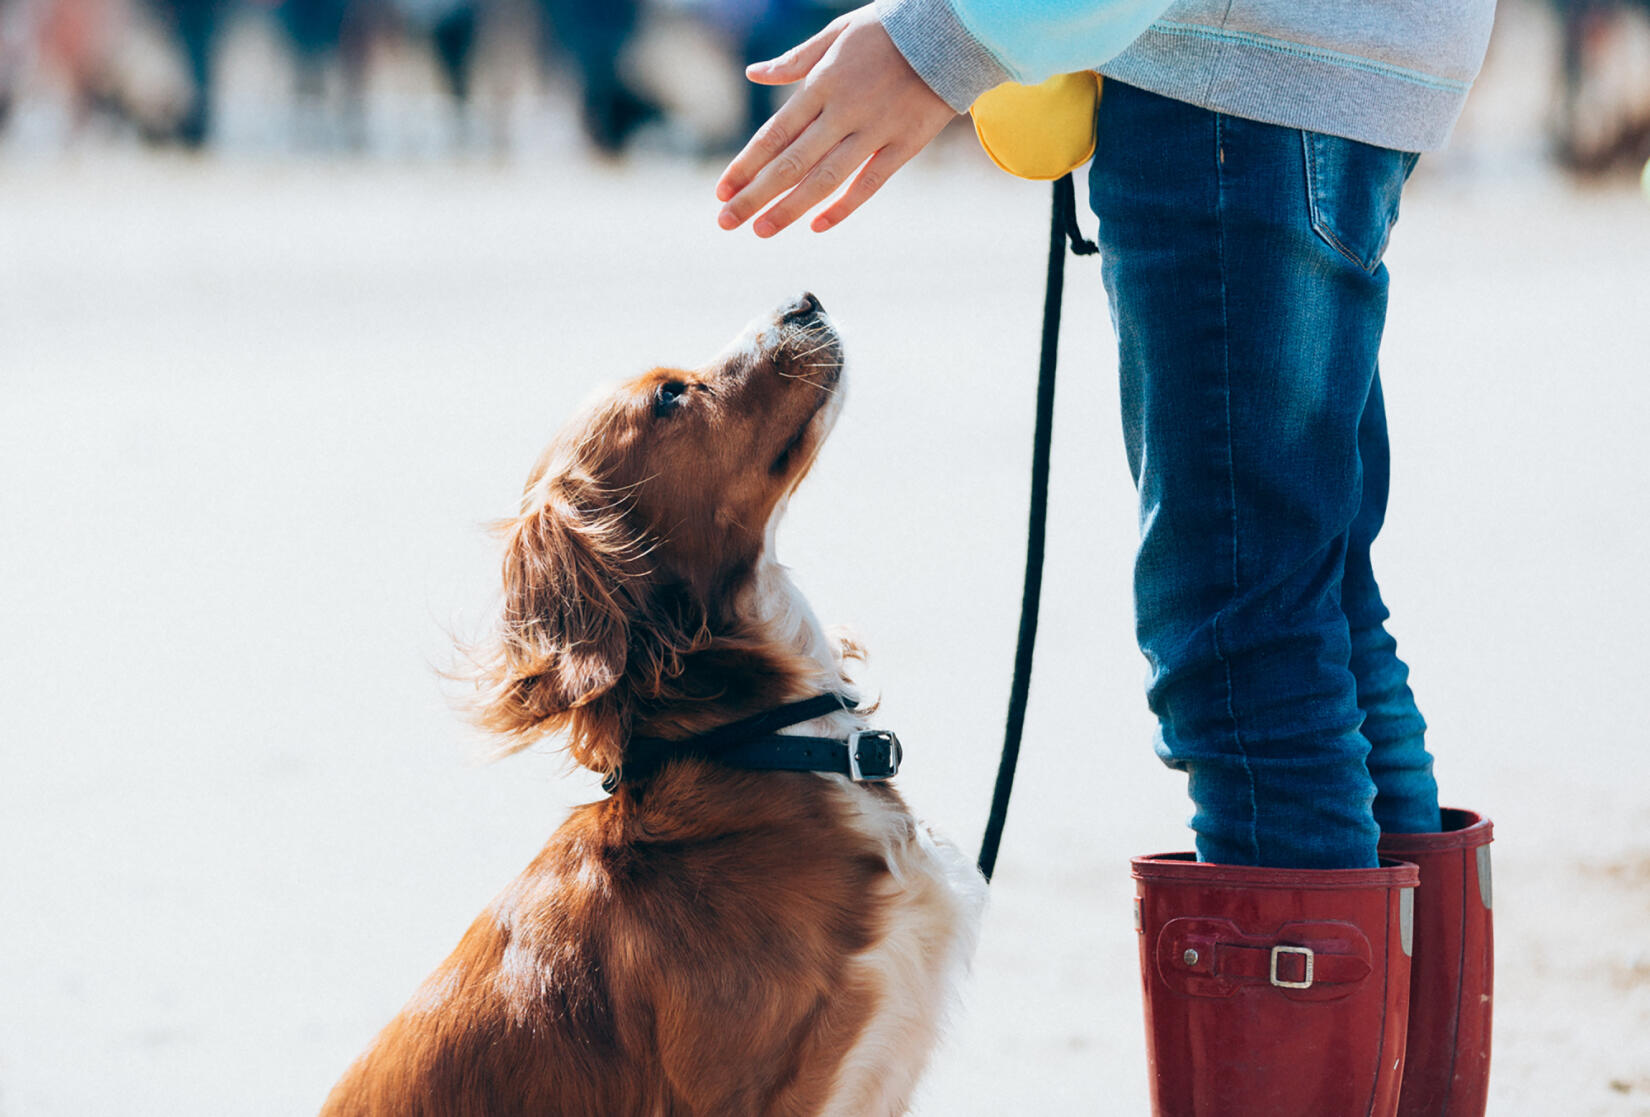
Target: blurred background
291	295
399	78
498	78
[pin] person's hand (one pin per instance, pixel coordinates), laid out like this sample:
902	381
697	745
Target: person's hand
860	100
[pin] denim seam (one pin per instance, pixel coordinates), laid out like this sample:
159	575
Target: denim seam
1231	478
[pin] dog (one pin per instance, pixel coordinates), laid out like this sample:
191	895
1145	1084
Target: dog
720	937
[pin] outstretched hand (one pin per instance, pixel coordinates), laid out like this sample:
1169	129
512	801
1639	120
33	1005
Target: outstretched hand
860	103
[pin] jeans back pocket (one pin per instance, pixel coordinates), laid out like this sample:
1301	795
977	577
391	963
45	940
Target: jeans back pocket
1352	193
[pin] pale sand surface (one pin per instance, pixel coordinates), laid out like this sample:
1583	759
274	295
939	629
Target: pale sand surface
253	416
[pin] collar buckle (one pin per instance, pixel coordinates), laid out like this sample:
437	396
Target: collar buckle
873	755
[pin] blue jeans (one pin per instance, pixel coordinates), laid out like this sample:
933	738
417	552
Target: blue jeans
1243	265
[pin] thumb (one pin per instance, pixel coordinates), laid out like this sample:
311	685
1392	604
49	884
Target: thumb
794	64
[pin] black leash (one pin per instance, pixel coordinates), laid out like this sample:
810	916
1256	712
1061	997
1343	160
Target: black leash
1063	232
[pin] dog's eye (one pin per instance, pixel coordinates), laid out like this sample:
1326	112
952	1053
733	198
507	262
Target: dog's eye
666	397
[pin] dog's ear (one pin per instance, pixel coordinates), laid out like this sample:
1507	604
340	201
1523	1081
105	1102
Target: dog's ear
563	640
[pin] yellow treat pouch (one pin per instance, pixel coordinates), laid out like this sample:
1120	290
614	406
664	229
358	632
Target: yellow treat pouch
1039	131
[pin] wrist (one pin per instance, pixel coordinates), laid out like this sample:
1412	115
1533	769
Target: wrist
951	61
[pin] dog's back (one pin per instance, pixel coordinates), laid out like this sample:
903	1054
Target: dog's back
715	961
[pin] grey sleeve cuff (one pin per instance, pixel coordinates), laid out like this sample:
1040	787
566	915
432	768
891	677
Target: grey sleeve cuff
940	49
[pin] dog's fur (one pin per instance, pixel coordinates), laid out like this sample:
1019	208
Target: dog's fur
707	941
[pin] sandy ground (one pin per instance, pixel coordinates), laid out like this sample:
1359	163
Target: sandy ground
253	416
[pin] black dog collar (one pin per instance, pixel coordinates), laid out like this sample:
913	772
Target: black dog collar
864	756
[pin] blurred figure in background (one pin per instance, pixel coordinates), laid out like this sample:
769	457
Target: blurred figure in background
593	35
452	29
453	34
11	57
194	25
107	61
1603	121
327	36
77	42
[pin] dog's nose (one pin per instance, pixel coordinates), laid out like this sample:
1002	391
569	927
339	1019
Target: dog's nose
803	306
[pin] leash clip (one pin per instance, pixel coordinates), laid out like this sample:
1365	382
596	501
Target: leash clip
873	755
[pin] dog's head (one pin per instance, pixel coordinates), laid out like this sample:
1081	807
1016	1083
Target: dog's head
641	524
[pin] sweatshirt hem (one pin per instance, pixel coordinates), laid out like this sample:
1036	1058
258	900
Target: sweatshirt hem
1295	86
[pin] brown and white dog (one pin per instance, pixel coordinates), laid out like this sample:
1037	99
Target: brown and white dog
710	941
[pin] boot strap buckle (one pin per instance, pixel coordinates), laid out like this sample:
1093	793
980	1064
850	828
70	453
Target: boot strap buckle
1305	953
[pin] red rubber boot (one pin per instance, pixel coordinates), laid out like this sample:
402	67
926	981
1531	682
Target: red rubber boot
1273	992
1452	977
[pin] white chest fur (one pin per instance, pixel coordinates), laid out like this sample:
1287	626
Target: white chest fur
936	898
934	894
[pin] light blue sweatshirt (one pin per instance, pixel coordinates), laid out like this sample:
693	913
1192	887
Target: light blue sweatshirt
1389	72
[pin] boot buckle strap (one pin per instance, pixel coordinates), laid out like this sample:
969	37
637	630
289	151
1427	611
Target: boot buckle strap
1305	952
1312	960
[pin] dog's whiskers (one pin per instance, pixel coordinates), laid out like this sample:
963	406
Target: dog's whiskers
826	344
821	385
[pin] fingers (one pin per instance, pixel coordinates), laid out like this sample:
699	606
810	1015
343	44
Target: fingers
795	63
870	179
826	177
782	151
